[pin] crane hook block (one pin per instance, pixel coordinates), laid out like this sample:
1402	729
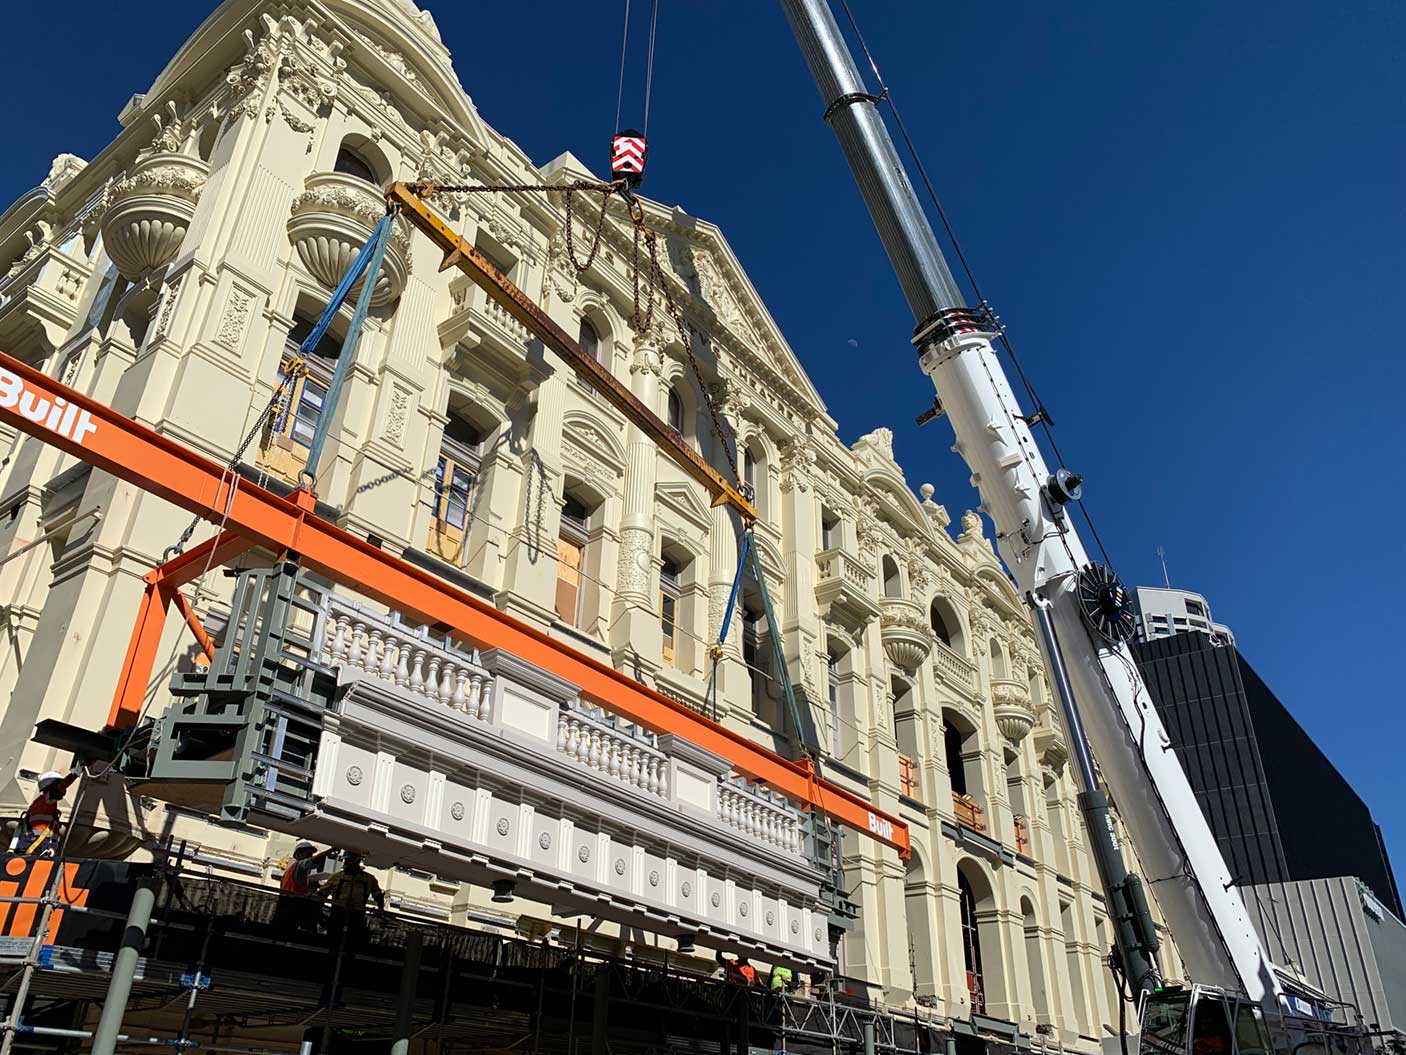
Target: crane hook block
629	153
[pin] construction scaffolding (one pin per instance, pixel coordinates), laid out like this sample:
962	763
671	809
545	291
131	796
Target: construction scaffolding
219	967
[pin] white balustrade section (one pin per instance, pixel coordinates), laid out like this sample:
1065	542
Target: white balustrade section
950	665
756	811
354	638
614	748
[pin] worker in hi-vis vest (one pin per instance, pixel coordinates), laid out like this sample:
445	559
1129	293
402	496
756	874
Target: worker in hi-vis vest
348	892
37	833
296	910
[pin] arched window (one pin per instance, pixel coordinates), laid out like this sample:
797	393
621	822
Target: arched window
893	582
675	412
352	162
999	669
971	944
939	624
754	475
589	339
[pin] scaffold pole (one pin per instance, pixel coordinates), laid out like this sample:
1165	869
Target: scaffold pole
124	966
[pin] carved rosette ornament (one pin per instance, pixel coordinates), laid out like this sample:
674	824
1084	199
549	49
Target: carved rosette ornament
150	212
332	219
905	634
1010	704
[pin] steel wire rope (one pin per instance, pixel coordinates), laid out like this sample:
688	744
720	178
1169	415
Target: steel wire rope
886	95
649	64
624	45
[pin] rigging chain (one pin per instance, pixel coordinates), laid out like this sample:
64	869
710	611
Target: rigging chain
655	284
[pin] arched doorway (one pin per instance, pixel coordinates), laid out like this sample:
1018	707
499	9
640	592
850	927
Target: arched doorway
981	940
917	907
971	945
1035	962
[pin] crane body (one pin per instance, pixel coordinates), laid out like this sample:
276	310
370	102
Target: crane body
1108	711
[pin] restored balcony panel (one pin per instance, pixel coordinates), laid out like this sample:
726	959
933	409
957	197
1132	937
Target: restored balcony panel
844	588
486	769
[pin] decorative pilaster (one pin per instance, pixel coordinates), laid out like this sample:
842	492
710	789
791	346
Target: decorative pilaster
634	628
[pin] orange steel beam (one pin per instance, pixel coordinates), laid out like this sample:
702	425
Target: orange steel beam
193	621
129	697
407	198
97	434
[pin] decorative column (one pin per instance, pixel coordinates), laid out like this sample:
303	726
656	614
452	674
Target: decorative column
634	626
733	683
800	626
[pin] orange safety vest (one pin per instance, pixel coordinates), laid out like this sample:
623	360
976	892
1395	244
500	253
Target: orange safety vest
42	813
290	883
747	971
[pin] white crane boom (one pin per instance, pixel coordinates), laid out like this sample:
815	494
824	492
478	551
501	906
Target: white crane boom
1215	937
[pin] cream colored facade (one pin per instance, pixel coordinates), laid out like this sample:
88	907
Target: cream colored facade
165	277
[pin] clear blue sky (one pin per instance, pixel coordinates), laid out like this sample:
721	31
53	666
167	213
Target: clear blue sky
1190	217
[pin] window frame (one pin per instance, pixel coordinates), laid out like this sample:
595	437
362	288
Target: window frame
572	537
670	598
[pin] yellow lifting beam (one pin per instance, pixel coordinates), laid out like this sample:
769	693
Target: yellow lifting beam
408	200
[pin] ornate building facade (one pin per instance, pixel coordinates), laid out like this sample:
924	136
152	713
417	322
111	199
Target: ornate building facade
174	276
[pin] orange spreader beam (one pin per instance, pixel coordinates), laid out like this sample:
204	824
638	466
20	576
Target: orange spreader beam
254	516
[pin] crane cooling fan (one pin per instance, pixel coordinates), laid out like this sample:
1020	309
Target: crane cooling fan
1106	604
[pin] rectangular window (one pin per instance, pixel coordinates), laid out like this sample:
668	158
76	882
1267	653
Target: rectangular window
453	484
571	559
669	609
907	777
569	555
829	531
311	397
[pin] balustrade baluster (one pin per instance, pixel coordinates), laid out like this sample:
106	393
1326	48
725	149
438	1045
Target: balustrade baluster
402	664
417	673
432	679
337	640
461	697
446	685
355	653
481	702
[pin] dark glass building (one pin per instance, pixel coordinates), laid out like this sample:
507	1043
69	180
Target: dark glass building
1279	809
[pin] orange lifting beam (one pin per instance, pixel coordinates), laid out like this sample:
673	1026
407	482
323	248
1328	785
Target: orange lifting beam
407	200
253	516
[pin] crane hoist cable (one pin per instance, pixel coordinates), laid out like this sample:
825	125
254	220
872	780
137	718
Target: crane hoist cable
629	148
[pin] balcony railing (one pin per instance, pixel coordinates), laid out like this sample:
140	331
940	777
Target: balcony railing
952	667
357	639
967	812
844	588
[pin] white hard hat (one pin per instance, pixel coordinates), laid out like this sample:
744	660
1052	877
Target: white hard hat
303	844
49	779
